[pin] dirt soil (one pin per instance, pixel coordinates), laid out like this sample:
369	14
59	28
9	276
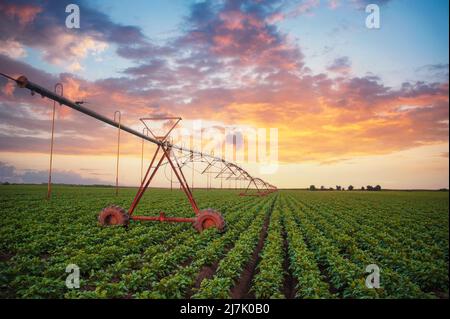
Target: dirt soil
242	287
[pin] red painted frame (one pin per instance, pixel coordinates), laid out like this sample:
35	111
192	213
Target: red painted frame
149	176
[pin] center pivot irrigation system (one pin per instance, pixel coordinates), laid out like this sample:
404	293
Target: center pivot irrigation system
218	167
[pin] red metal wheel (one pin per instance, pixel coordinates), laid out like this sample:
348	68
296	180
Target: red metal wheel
209	218
113	215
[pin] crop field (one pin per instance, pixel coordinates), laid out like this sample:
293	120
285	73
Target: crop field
290	244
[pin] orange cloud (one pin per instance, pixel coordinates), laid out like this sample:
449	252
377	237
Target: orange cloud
8	89
318	118
232	66
25	13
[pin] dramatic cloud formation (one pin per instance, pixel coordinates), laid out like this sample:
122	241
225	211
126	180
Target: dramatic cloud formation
230	64
41	25
23	13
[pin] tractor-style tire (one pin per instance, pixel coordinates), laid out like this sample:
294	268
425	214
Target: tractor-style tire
209	218
113	216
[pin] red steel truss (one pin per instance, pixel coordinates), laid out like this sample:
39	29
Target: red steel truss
222	169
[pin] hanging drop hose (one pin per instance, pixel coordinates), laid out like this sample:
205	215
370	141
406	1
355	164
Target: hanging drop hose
23	82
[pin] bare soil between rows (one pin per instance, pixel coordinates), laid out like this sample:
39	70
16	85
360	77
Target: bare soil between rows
241	290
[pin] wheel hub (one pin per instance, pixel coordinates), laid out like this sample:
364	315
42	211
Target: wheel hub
113	215
209	218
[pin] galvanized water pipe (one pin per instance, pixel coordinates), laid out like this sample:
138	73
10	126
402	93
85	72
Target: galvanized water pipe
23	82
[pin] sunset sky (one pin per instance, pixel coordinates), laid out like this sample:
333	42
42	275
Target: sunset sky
352	105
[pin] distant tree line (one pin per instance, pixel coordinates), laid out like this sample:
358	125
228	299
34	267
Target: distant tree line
369	188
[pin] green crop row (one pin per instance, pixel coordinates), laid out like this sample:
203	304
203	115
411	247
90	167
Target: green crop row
310	281
268	282
399	282
231	266
298	244
178	284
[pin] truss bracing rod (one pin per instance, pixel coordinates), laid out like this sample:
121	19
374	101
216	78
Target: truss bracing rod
23	82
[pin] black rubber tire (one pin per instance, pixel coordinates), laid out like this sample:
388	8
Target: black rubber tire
210	218
113	216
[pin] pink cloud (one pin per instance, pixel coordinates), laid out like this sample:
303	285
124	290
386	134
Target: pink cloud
334	4
9	88
304	7
233	66
25	13
341	65
13	49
